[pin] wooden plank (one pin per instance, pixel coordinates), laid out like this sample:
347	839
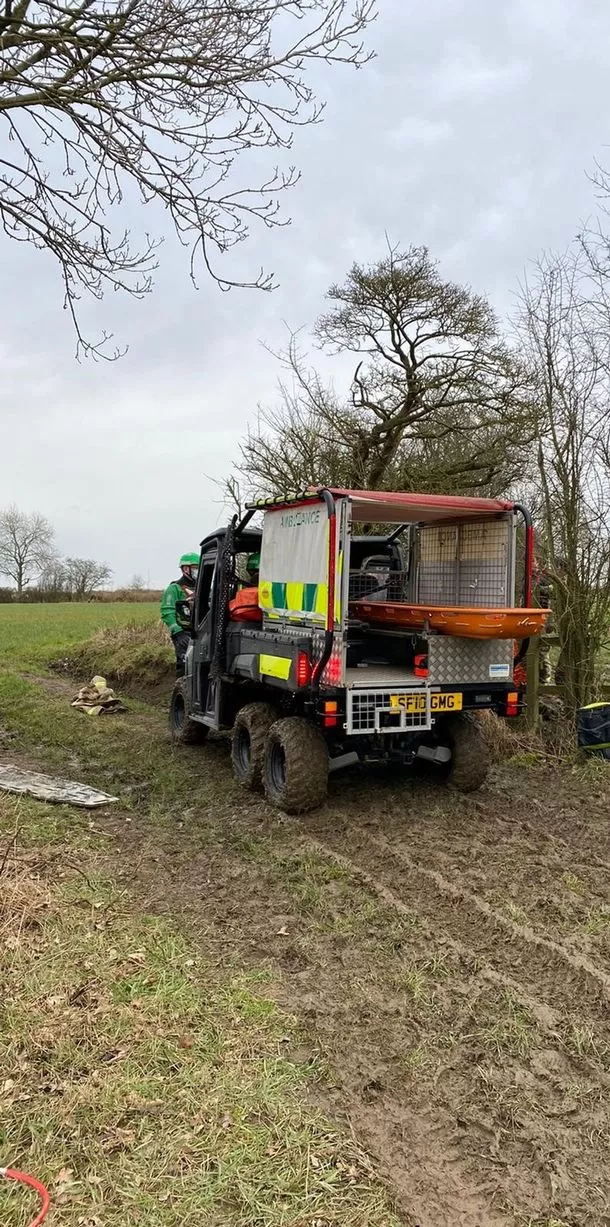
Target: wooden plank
532	694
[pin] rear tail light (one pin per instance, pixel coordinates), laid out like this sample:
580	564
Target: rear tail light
512	703
303	669
330	714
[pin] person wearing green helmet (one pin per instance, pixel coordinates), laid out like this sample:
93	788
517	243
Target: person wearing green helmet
244	607
182	589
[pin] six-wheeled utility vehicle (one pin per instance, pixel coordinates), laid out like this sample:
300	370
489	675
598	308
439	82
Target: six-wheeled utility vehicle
380	625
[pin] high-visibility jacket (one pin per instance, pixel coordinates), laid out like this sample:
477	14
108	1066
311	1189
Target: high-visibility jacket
179	590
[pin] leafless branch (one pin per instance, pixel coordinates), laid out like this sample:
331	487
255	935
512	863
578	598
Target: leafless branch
101	99
566	331
438	398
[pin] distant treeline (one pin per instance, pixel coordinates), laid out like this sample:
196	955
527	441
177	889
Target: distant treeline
42	596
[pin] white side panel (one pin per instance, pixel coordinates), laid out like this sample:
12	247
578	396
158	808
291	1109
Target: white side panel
295	546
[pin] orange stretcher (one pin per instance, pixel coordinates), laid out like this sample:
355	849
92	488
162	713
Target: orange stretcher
465	622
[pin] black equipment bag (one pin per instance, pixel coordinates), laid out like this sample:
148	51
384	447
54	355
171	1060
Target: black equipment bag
593	727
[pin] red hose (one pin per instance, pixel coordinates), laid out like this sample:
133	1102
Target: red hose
11	1174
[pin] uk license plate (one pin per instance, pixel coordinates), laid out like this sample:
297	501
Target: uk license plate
417	702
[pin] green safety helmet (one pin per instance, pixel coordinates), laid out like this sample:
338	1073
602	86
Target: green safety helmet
189	560
254	562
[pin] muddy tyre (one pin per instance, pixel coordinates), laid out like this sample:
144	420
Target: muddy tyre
295	769
248	742
184	731
470	760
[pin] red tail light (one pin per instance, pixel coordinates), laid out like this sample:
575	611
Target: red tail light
512	704
303	669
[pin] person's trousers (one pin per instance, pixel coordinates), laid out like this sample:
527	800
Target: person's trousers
180	642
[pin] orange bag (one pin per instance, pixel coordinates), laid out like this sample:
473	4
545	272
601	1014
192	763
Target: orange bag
244	606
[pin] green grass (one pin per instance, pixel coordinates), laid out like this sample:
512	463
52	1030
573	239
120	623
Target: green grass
506	1027
598	921
135	655
583	1040
113	751
573	883
144	1082
31	634
126	642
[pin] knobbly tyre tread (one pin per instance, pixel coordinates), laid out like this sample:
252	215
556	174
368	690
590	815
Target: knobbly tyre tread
306	760
192	732
257	719
470	758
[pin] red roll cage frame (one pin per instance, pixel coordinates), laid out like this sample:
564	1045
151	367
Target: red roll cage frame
397	508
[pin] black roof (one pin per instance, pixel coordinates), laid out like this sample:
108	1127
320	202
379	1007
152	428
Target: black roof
249	538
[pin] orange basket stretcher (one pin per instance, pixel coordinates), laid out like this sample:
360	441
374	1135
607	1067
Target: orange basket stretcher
462	621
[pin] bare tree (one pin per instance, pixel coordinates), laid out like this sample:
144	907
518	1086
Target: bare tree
438	399
99	97
565	329
138	583
84	576
26	545
53	577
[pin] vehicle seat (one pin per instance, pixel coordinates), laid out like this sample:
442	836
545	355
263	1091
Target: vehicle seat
393	581
361	585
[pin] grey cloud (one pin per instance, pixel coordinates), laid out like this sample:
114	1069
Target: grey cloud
472	131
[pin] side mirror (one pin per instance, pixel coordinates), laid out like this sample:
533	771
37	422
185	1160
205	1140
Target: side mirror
184	615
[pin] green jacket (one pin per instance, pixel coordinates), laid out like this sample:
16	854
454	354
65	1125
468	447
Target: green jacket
173	593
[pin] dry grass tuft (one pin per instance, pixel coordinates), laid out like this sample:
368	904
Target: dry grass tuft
134	596
24	902
511	741
506	738
138	653
131	634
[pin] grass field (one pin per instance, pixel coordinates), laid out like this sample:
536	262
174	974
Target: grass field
213	1014
32	633
125	641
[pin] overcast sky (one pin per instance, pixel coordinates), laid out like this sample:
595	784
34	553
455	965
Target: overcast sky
472	132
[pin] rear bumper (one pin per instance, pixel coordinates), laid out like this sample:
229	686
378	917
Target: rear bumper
381	710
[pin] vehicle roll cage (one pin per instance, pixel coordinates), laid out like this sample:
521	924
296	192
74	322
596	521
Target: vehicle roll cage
434	508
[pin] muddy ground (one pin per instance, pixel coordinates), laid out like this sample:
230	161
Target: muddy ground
448	956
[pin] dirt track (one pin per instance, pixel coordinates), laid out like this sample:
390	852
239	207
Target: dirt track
449	956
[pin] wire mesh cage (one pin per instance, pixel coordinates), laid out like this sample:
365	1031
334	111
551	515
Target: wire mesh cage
378	583
465	564
454	565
